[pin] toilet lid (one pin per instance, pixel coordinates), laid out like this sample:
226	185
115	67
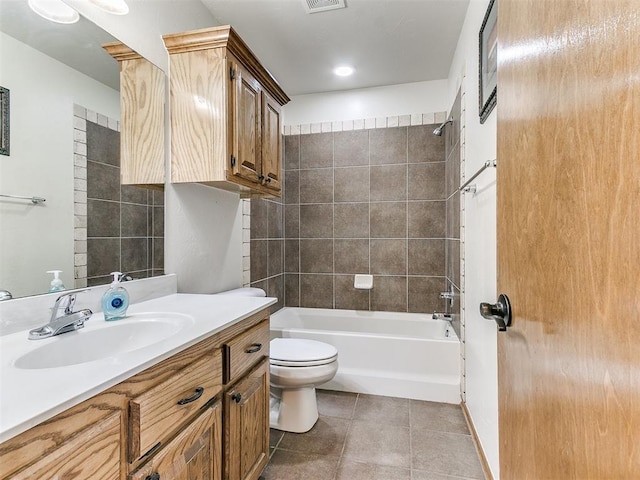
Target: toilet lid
299	352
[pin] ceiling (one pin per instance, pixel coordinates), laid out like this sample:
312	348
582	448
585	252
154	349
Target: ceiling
77	45
387	41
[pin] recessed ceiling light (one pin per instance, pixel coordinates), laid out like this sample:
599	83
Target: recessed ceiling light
116	7
54	10
343	71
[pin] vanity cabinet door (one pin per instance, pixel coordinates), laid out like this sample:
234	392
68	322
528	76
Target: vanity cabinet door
247	425
195	454
93	454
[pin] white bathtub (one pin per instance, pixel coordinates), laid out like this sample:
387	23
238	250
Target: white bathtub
382	353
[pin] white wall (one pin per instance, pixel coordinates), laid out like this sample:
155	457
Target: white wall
34	239
408	98
479	214
203	225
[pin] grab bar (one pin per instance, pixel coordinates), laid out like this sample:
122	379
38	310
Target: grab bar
34	200
472	188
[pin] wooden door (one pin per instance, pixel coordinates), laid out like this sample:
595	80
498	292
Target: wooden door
245	126
194	454
271	142
568	184
247	425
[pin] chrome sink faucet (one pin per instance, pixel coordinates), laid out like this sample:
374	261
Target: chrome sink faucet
68	321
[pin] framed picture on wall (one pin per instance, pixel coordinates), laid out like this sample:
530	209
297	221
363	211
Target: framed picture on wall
4	121
488	61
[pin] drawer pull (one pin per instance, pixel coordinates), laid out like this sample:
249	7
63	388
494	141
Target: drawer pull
255	347
236	398
192	398
153	476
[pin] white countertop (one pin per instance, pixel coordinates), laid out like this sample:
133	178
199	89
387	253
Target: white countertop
31	396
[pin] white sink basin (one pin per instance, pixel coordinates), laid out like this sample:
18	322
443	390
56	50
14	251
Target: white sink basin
134	332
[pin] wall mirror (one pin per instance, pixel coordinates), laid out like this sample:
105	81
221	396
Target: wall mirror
65	113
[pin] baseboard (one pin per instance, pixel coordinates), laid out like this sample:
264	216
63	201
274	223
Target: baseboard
476	442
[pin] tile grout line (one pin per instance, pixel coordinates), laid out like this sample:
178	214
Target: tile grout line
344	445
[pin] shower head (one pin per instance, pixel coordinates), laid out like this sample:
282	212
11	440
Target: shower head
438	131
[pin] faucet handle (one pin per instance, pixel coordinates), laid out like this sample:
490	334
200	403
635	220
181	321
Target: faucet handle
68	307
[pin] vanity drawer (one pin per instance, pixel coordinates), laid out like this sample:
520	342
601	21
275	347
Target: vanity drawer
245	350
166	407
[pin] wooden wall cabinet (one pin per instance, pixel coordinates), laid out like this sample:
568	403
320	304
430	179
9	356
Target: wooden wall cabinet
225	114
142	101
166	422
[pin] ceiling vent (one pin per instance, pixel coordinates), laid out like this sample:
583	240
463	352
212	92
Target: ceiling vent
315	6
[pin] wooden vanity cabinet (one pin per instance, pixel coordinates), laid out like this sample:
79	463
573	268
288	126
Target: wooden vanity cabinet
225	114
247	425
195	454
142	101
168	420
246	404
93	453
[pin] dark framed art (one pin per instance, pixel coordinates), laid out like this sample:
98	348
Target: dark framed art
488	69
4	121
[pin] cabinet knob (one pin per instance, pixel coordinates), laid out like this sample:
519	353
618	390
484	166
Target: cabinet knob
261	177
153	476
268	180
236	398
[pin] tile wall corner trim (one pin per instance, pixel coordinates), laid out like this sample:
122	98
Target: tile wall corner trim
365	123
81	116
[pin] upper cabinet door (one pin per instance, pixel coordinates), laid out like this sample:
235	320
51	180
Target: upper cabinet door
271	142
245	124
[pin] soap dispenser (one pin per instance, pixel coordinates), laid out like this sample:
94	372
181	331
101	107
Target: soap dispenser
115	300
56	283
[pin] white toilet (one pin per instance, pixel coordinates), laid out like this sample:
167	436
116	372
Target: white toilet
297	367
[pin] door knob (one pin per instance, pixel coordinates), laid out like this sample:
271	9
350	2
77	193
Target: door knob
500	312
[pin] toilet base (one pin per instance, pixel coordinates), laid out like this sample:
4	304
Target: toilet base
293	409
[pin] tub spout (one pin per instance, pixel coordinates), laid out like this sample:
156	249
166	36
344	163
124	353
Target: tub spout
441	316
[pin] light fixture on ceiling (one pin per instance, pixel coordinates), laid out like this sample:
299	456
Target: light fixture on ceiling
343	70
54	10
116	7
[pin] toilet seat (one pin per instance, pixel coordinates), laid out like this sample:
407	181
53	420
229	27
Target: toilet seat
298	352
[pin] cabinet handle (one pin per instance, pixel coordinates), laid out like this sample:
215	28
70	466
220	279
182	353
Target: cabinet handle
153	476
192	398
255	347
237	397
261	177
268	180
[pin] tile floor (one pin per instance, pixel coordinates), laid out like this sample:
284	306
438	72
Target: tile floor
367	437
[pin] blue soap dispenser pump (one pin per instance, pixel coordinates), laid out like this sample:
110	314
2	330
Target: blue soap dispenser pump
115	300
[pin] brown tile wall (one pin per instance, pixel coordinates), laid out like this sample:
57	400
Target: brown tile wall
362	201
267	247
452	175
125	224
